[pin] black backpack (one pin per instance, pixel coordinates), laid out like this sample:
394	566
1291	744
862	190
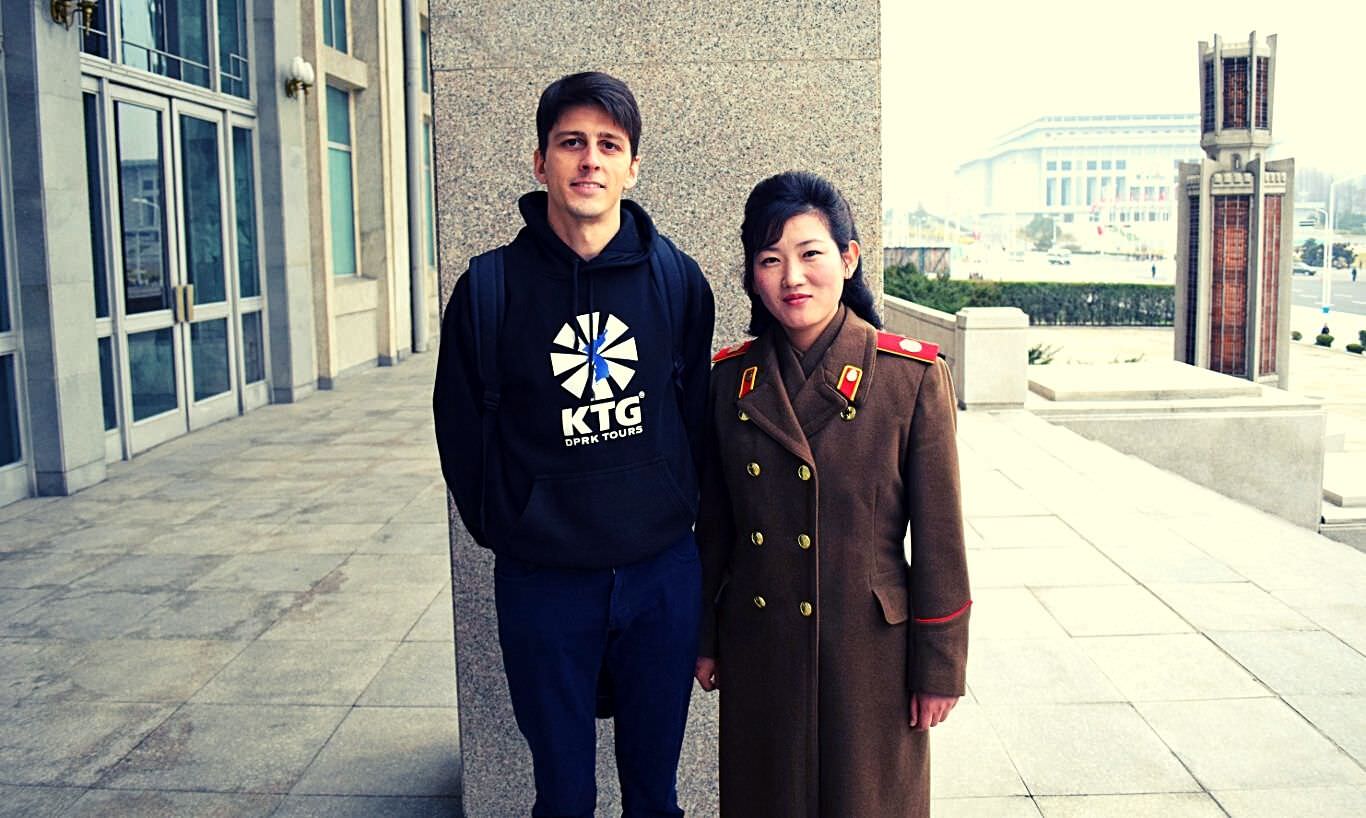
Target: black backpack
487	302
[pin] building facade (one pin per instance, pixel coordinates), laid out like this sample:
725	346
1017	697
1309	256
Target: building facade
1105	181
188	235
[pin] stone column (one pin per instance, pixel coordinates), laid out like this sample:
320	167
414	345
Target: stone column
55	271
285	203
729	93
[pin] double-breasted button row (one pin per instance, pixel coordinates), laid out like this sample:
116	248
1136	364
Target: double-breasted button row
804	472
805	608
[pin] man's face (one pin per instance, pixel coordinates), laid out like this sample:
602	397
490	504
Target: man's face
587	164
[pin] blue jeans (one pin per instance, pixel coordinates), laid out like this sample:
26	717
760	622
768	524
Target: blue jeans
560	629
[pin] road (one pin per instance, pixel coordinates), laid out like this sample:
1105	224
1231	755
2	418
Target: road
1348	297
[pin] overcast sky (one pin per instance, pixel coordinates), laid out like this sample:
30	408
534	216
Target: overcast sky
957	75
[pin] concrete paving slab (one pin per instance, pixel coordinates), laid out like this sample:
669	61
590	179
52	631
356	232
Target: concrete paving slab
387	573
226	538
365	806
160	804
84	614
992	494
417	674
1341	718
1034	671
1289	662
1026	532
410	538
37	802
437	623
1148	805
388	751
384	617
269	572
322	538
226	615
1042	568
100	539
310	672
1275	747
71	743
148	572
1110	610
14	600
227	748
1011	613
1327	802
1019	807
1171	667
48	569
969	761
137	670
1344	479
1087	749
1229	606
28	665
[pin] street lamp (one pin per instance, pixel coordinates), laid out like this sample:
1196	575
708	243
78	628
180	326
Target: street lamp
1327	266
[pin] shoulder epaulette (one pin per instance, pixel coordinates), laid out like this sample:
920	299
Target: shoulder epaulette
907	347
729	352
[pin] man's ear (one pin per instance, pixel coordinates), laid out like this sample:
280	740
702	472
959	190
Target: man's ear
538	166
633	175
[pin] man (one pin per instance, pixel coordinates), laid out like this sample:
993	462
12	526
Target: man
571	454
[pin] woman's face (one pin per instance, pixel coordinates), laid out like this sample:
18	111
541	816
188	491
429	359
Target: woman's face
801	276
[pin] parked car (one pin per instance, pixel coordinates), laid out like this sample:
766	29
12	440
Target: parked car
1301	269
1063	256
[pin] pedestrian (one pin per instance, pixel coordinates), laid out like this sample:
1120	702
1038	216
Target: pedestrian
570	402
1154	271
833	657
1354	275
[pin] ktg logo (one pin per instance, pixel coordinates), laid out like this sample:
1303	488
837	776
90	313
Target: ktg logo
595	362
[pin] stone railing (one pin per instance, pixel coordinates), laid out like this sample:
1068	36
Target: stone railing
986	348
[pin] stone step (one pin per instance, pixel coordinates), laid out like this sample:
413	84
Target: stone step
1344	480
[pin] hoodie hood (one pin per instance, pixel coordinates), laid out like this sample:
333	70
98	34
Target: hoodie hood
630	247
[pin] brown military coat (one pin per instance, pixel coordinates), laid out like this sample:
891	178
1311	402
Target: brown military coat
820	629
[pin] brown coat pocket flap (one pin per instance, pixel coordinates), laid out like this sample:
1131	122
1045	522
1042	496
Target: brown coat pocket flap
895	603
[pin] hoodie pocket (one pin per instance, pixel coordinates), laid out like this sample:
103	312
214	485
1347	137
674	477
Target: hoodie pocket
618	507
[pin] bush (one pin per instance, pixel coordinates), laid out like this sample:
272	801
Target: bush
1041	354
1324	340
1295	335
1361	336
1355	348
1048	303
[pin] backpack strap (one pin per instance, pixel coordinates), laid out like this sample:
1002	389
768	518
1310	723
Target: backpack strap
669	269
486	308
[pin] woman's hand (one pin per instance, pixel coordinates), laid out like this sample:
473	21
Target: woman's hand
705	673
927	709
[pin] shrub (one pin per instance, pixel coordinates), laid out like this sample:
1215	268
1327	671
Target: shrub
1041	354
1048	303
1324	340
1361	336
1295	335
1355	348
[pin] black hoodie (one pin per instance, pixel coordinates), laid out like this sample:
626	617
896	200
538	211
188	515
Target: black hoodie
593	464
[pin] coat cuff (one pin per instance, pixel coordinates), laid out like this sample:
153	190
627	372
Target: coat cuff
939	657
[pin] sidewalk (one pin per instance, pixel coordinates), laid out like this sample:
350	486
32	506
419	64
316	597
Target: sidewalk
255	620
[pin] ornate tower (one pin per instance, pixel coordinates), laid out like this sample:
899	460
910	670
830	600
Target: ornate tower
1235	218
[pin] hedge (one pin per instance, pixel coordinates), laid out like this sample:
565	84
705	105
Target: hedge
1051	303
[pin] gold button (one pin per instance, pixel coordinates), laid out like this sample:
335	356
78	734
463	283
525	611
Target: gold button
849	412
753	469
803	472
803	541
744	415
757	538
759	602
805	608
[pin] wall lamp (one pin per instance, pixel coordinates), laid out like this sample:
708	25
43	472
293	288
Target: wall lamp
299	77
64	12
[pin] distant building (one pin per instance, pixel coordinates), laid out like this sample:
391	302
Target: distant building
1106	180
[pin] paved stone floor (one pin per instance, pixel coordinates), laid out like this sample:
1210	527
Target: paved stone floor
255	620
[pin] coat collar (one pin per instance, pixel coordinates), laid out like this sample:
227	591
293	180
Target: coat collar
792	423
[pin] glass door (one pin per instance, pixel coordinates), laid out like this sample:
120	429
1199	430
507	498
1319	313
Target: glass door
175	330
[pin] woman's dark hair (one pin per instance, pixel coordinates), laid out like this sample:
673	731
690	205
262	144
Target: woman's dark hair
779	198
588	88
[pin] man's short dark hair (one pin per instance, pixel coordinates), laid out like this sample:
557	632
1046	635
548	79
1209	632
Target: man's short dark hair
588	88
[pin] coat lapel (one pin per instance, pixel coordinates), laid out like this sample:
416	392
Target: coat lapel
767	404
819	400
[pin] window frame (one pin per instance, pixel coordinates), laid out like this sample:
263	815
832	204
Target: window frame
349	148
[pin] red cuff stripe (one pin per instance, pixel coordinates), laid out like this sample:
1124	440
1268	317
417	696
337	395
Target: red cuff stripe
937	619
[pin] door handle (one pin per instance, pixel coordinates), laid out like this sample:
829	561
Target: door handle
178	303
188	290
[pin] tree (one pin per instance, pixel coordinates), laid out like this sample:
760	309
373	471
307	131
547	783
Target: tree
1039	231
1312	253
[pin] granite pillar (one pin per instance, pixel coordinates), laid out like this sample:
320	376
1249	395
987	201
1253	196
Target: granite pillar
729	94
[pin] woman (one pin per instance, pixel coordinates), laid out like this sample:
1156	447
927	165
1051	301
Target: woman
833	657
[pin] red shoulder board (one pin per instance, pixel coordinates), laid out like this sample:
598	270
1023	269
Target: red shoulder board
907	347
729	352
